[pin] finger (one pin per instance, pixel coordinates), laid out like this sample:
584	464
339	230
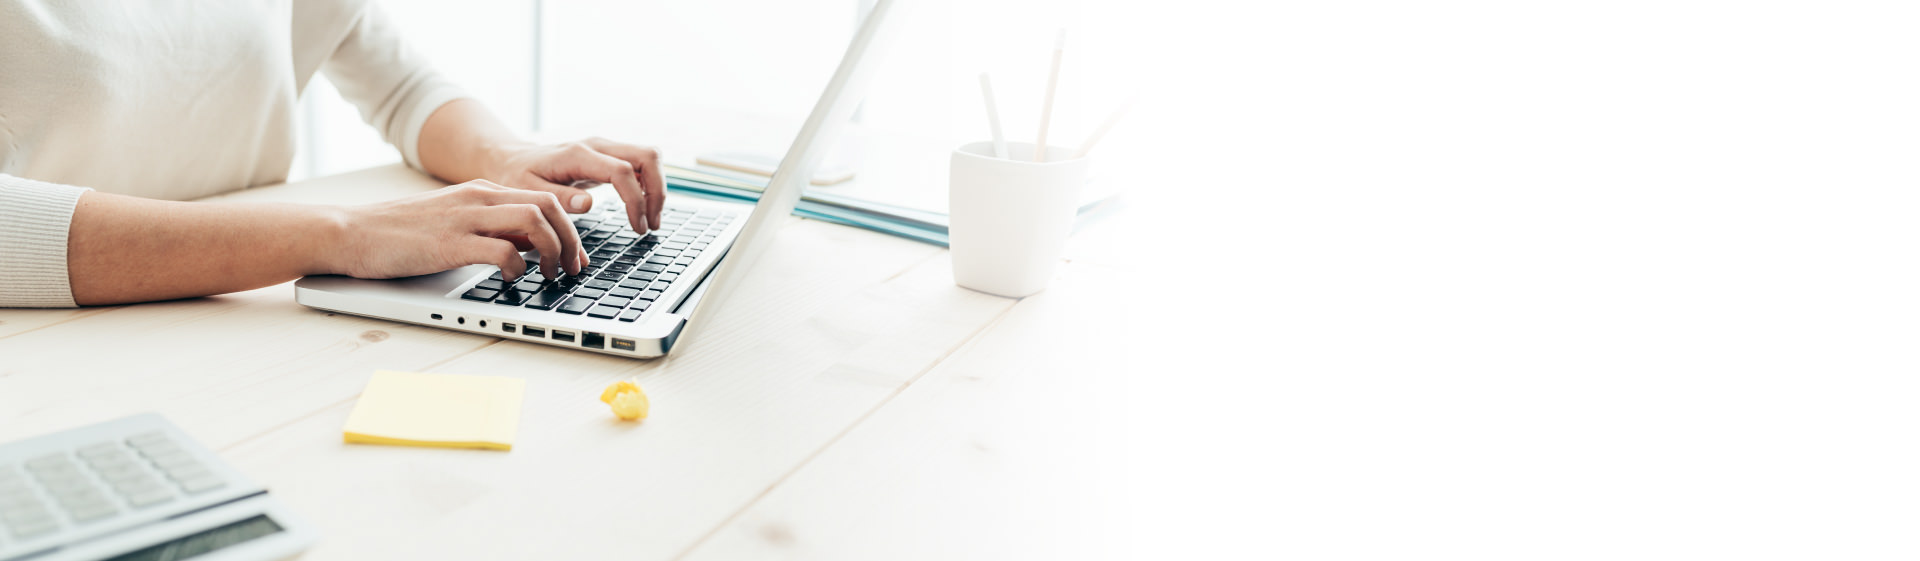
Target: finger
571	254
574	199
524	219
583	162
490	251
646	162
519	242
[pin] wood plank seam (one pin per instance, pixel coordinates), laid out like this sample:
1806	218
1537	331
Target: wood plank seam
82	314
728	521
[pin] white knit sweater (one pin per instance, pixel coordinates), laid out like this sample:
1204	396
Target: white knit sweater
174	100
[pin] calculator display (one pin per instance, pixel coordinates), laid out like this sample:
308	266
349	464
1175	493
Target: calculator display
215	539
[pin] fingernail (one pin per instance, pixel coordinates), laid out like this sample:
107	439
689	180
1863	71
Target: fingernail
580	202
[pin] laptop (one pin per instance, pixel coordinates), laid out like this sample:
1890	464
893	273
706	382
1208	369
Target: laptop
641	294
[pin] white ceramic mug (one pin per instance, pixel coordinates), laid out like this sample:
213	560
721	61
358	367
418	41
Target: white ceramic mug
1009	218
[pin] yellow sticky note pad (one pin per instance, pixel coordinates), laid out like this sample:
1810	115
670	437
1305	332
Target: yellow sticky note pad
439	410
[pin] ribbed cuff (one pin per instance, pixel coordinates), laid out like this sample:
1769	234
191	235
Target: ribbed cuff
437	93
34	217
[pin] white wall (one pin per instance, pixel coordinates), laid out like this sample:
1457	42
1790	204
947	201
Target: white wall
612	67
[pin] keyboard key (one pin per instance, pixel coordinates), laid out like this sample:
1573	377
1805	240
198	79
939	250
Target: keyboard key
535	278
653	267
677	269
631	315
643	276
603	311
576	306
589	293
493	283
669	277
547	298
659	285
610	276
481	294
628	259
660	259
684	260
513	297
599	284
625	292
650	295
615	301
698	246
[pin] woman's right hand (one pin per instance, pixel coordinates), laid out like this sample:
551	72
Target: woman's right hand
476	222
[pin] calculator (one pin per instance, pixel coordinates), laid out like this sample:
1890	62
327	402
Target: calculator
135	488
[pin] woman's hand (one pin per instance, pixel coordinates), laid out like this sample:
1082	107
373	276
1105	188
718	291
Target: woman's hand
476	222
634	172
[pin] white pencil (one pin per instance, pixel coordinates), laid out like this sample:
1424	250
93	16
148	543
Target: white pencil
993	117
1046	107
1101	132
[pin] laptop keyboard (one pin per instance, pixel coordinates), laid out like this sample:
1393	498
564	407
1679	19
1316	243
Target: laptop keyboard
629	271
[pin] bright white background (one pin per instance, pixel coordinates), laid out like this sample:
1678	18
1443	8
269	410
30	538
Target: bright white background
1552	280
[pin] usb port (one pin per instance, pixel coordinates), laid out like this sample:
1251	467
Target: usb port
593	340
622	344
507	327
563	336
532	331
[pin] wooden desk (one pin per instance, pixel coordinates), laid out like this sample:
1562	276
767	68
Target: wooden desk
833	414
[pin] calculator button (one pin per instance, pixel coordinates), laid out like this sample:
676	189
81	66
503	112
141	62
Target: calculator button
92	510
147	437
150	497
49	463
100	450
199	485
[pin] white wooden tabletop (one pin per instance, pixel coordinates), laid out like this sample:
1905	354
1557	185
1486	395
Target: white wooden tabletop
856	404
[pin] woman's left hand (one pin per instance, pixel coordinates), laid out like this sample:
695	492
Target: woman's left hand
633	170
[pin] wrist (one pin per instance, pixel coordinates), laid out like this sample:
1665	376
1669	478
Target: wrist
326	240
494	159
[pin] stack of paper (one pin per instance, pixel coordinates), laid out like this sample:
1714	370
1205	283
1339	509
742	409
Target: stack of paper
911	223
438	410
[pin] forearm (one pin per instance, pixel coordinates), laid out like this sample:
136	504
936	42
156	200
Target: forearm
462	140
125	249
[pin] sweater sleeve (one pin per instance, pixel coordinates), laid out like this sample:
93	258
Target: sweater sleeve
393	86
34	217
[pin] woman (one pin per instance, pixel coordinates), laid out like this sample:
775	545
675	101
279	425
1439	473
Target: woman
110	111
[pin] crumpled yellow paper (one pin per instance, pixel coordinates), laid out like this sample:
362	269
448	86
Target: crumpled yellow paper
628	402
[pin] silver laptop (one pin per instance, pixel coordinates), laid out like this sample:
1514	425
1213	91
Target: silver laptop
641	293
